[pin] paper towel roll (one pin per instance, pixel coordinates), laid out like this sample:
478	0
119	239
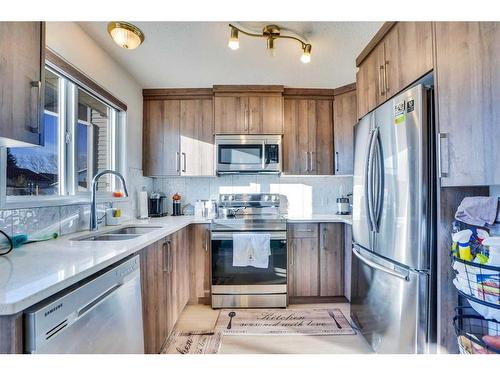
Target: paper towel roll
142	204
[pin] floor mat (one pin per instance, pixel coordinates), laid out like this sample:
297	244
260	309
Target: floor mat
283	322
193	343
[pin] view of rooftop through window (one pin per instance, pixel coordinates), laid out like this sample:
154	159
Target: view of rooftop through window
38	171
35	170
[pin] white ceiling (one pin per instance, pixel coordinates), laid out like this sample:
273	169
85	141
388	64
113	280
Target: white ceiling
195	54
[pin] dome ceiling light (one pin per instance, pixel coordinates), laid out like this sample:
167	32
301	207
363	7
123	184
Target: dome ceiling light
271	33
125	34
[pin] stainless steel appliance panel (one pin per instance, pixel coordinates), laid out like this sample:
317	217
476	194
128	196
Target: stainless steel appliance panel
389	304
360	219
103	315
398	166
248	154
248	300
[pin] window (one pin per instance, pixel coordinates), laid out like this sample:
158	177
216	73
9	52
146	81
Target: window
79	141
35	170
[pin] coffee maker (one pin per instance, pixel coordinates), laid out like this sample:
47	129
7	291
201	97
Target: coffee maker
157	205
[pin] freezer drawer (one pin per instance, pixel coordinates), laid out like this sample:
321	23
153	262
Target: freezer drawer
389	304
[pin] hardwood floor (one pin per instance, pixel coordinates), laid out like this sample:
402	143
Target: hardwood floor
202	317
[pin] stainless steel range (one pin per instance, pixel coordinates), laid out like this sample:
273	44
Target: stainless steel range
256	218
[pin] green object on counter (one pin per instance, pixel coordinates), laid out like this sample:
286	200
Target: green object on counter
21	239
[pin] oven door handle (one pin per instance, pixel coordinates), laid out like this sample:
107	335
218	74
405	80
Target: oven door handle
279	235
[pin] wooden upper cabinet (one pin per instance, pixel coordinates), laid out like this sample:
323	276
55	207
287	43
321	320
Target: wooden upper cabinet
230	114
344	119
161	137
265	114
369	81
468	94
308	132
398	55
251	109
178	132
22	61
408	55
197	140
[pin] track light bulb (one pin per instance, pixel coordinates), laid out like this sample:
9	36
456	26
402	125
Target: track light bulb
234	41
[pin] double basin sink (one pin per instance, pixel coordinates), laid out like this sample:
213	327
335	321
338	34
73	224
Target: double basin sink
120	234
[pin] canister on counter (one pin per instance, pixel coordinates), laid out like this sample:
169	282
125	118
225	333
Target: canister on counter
176	205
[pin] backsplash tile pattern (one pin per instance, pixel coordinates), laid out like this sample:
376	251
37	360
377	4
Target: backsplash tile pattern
306	195
72	218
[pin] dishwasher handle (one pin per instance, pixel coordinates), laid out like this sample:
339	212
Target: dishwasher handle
92	304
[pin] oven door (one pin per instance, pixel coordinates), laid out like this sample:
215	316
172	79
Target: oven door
227	279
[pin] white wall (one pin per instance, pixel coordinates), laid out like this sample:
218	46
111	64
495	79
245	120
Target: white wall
70	41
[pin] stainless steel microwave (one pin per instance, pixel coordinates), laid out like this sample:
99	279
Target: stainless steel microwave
248	154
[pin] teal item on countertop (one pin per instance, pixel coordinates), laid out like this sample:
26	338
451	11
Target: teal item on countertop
21	239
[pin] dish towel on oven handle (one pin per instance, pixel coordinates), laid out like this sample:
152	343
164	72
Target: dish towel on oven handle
251	249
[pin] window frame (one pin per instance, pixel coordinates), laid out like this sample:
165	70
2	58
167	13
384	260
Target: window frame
68	174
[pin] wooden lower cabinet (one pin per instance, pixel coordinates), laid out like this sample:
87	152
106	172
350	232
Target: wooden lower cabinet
316	260
165	287
155	283
199	259
11	334
303	267
331	259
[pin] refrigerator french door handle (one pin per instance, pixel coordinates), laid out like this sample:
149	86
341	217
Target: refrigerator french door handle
377	266
369	180
380	181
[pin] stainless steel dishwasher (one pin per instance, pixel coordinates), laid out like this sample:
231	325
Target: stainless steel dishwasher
103	315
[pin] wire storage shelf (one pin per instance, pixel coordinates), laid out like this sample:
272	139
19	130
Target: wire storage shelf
471	329
478	283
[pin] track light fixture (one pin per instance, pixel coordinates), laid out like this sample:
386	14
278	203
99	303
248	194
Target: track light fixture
271	33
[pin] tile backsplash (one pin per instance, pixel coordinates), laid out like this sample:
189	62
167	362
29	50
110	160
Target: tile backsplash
306	195
72	218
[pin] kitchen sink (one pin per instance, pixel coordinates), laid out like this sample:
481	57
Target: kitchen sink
108	237
120	234
133	230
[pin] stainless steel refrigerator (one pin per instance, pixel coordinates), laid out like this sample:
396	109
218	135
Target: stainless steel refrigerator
393	291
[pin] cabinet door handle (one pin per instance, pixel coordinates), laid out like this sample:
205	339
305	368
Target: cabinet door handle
178	162
307	161
380	82
336	161
207	239
184	161
324	239
169	256
34	125
442	152
165	256
386	77
292	252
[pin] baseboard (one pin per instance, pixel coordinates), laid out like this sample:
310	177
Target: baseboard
304	300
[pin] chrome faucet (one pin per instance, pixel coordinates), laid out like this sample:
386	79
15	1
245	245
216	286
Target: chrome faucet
93	210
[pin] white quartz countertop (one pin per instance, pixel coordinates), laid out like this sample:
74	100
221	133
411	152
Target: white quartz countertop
33	272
